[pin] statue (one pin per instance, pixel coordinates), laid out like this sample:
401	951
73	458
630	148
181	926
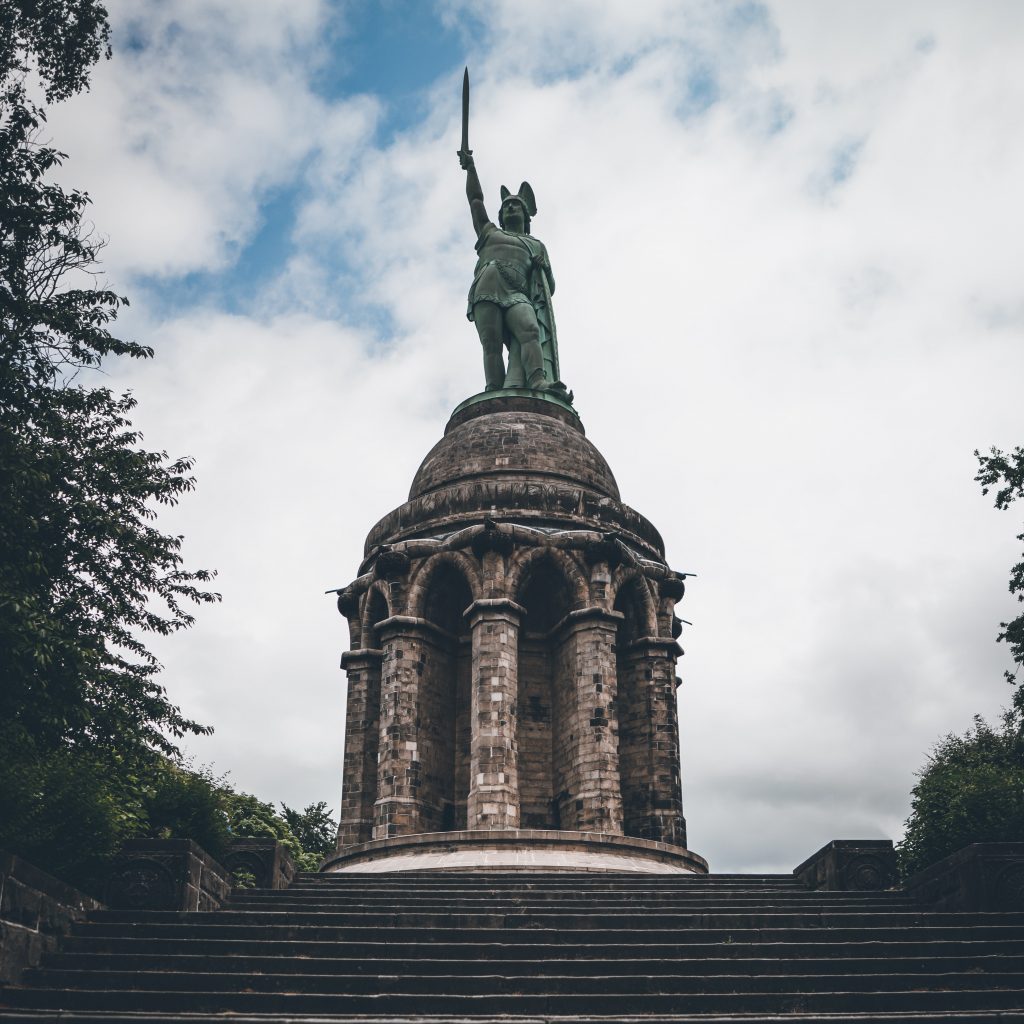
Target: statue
510	298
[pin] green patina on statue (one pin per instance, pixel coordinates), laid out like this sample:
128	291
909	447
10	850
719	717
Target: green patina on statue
510	298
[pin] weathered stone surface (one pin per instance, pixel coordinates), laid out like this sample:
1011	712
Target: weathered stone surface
513	661
517	849
36	909
850	864
511	443
165	874
981	877
267	860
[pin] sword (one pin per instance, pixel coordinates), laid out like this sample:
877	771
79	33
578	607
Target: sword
465	152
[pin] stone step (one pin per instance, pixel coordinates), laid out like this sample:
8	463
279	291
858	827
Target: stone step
534	880
496	983
623	920
582	966
492	907
28	1016
766	933
634	1004
569	900
503	952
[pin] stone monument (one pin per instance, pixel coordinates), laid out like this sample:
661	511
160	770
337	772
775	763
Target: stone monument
513	638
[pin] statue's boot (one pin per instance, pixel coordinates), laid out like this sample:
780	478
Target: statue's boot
539	381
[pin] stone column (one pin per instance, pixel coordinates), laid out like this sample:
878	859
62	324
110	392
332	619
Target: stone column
362	734
399	808
651	666
494	775
587	667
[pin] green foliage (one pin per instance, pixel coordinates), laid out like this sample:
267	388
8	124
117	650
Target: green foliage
85	574
970	791
60	40
186	803
1006	473
63	809
250	816
314	828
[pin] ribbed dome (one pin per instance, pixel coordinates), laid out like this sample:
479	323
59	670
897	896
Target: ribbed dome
514	438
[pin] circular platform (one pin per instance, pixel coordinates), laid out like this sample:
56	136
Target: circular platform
517	850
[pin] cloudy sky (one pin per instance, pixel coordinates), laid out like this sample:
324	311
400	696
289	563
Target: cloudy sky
787	238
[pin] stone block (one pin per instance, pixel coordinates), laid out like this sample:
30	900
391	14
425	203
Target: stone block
981	877
850	864
267	860
36	909
165	874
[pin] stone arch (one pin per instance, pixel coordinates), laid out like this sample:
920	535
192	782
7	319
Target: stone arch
443	590
630	584
423	576
376	608
525	563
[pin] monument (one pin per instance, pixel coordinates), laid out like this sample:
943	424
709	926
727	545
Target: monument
513	638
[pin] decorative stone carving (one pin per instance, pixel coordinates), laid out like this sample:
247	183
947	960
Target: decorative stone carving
267	860
141	884
980	877
491	538
844	864
165	874
392	564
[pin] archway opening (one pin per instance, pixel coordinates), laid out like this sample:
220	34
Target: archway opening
634	713
544	691
444	708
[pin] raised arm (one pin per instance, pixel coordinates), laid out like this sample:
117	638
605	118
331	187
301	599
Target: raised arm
474	193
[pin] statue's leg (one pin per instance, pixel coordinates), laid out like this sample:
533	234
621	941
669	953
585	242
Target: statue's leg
489	325
514	376
522	324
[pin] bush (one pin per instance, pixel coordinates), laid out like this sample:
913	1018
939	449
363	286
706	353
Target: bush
970	791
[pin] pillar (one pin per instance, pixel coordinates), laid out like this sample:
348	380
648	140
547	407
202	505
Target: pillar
652	788
362	735
494	779
398	810
592	800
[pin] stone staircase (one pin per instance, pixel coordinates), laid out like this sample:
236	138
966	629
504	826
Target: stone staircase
535	947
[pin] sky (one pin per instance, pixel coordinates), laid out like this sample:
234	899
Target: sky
787	239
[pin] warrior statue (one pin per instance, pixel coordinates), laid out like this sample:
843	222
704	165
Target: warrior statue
510	298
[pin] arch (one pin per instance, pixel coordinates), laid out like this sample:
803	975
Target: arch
376	608
525	563
422	578
630	584
444	693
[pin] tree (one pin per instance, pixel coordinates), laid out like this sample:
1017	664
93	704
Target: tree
85	574
314	828
250	816
970	791
1006	472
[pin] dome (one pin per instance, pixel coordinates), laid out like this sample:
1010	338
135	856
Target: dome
523	439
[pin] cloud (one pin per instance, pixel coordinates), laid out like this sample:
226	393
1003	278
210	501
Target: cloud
788	302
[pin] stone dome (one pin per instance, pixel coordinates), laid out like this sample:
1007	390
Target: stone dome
514	439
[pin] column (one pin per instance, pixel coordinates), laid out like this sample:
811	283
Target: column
362	733
494	778
650	664
399	808
587	671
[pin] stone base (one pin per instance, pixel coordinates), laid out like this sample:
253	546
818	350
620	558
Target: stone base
517	850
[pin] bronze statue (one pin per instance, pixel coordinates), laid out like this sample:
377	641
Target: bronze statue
510	298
